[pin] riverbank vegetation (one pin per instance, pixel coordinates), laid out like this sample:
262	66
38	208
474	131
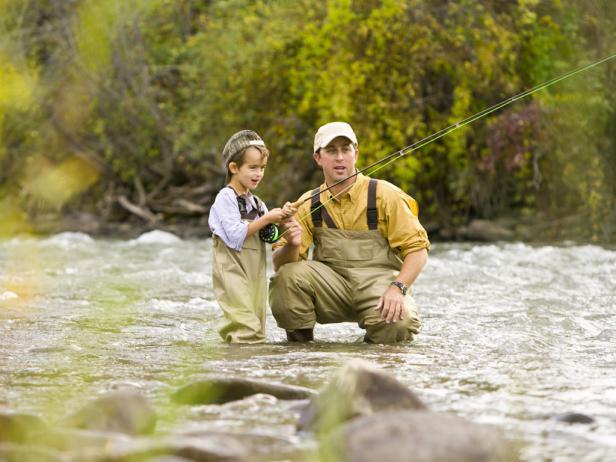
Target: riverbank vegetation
113	113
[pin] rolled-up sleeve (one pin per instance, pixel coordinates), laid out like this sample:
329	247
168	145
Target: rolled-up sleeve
403	229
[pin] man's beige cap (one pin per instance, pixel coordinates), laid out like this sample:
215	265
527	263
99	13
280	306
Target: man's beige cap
332	130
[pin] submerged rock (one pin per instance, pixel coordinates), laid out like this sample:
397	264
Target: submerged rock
123	411
574	418
357	389
219	390
18	428
206	448
417	436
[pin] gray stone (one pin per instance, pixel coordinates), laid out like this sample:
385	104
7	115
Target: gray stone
356	389
168	459
68	439
219	390
417	436
206	449
123	411
484	230
213	448
253	443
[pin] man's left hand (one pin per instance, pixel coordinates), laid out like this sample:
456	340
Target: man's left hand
391	305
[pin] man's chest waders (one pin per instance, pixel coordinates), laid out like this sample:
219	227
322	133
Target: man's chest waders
239	280
349	272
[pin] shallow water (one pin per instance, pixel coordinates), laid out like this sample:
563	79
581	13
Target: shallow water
513	335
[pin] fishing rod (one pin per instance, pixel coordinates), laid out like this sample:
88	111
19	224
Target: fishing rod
271	233
457	125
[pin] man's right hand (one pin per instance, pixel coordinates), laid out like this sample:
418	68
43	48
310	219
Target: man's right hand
290	251
292	231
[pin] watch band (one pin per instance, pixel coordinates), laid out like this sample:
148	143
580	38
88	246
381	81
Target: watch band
400	286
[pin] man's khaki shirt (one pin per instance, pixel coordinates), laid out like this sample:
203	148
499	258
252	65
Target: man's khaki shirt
397	211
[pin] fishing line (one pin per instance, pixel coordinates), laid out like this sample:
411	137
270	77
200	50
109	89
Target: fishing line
445	131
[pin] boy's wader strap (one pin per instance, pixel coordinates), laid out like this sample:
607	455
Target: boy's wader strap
241	204
320	213
371	212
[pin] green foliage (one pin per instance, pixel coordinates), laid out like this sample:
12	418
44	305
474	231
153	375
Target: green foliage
149	91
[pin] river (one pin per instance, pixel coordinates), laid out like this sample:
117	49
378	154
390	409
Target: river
513	335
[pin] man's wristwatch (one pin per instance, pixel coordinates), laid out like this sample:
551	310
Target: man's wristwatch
401	286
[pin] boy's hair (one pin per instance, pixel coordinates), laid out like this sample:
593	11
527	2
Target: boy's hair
235	149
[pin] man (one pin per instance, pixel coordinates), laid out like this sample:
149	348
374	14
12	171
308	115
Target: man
369	248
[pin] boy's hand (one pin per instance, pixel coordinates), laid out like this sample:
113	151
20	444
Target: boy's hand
275	215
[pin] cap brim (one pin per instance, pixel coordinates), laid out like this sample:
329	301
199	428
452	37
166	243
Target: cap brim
331	138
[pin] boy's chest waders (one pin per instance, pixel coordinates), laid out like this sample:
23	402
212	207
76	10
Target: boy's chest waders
239	280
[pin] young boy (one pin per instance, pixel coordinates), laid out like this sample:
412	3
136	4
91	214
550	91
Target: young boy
238	264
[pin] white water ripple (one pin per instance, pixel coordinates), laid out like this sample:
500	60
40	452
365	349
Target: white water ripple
513	334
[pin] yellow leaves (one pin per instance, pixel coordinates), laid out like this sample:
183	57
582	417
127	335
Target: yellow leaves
16	86
96	26
74	102
93	33
2	142
13	220
54	185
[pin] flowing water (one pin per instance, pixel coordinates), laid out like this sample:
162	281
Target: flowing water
513	335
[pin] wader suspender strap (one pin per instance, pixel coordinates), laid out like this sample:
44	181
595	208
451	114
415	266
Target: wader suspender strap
241	204
258	207
371	212
320	213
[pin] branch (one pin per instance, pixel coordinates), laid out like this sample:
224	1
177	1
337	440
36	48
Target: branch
141	212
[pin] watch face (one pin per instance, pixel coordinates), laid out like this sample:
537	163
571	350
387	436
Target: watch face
400	286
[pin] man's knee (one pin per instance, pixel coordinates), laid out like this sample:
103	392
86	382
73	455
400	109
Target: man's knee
284	283
291	297
290	271
394	332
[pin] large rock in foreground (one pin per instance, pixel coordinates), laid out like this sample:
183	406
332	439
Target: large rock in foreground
356	389
366	415
417	436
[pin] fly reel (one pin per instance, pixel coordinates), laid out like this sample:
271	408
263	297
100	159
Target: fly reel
269	233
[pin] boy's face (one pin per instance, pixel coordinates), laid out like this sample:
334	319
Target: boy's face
250	174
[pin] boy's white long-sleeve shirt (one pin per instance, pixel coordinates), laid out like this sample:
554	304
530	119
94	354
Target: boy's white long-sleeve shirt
225	220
